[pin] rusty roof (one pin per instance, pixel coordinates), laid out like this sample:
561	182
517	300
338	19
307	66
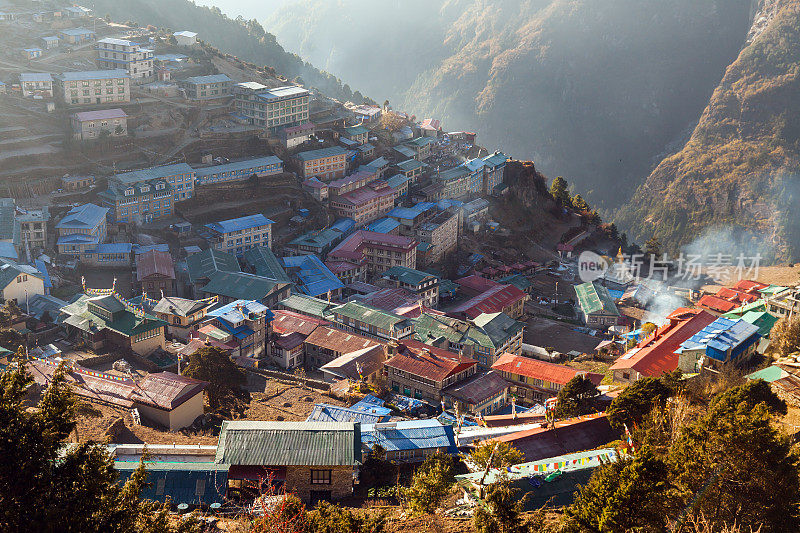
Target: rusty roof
289	322
154	262
427	361
536	369
339	341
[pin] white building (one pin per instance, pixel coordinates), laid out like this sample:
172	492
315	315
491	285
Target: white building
185	38
94	87
36	84
125	54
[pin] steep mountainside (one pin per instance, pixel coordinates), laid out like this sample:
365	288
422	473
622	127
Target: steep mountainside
591	90
740	167
244	39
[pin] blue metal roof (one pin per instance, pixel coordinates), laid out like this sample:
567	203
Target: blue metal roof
237	311
240	165
332	413
371	404
191	483
153	173
7	250
83	217
384	225
410	435
403	212
42	267
77	238
241	223
113	248
310	155
344	225
721	336
315	279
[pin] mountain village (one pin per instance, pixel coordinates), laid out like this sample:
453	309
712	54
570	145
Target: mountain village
360	265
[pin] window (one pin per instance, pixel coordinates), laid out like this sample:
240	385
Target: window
320	477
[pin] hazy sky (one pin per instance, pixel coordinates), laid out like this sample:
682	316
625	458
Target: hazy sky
249	9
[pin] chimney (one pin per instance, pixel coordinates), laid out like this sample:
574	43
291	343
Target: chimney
392	346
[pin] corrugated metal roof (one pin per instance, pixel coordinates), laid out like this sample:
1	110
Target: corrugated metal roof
267	443
241	223
594	298
410	435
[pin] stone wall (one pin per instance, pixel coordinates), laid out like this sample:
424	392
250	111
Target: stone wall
298	481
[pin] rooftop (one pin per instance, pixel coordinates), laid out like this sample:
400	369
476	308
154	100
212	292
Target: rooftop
94	75
83	217
493	300
240	285
595	298
427	361
536	369
409	276
378	318
320	153
211	78
100	114
152	173
339	341
154	262
313	277
409	435
266	443
240	224
239	165
478	388
35	76
204	264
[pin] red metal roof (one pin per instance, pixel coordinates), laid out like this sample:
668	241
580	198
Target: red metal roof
656	355
750	286
476	284
536	369
427	361
715	303
154	262
494	300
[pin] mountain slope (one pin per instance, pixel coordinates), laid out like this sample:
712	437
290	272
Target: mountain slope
740	167
591	90
244	39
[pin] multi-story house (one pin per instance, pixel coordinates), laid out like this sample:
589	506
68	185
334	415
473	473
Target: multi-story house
36	84
148	194
441	233
100	321
208	87
183	317
455	182
88	125
371	322
273	109
365	204
411	169
82	228
421	283
238	235
493	170
74	183
421	147
597	307
358	134
347	271
94	87
326	163
155	274
33	228
240	170
19	281
506	299
421	371
32	53
247	322
122	53
483	339
533	381
378	251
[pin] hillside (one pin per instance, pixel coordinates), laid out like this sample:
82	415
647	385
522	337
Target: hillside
594	91
739	168
244	39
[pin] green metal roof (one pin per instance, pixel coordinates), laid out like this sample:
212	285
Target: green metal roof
371	315
240	286
124	322
206	263
307	305
407	275
266	264
594	298
762	319
758	305
490	331
518	280
769	374
268	443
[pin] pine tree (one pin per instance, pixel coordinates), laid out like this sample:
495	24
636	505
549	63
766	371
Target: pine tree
577	397
559	191
224	377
